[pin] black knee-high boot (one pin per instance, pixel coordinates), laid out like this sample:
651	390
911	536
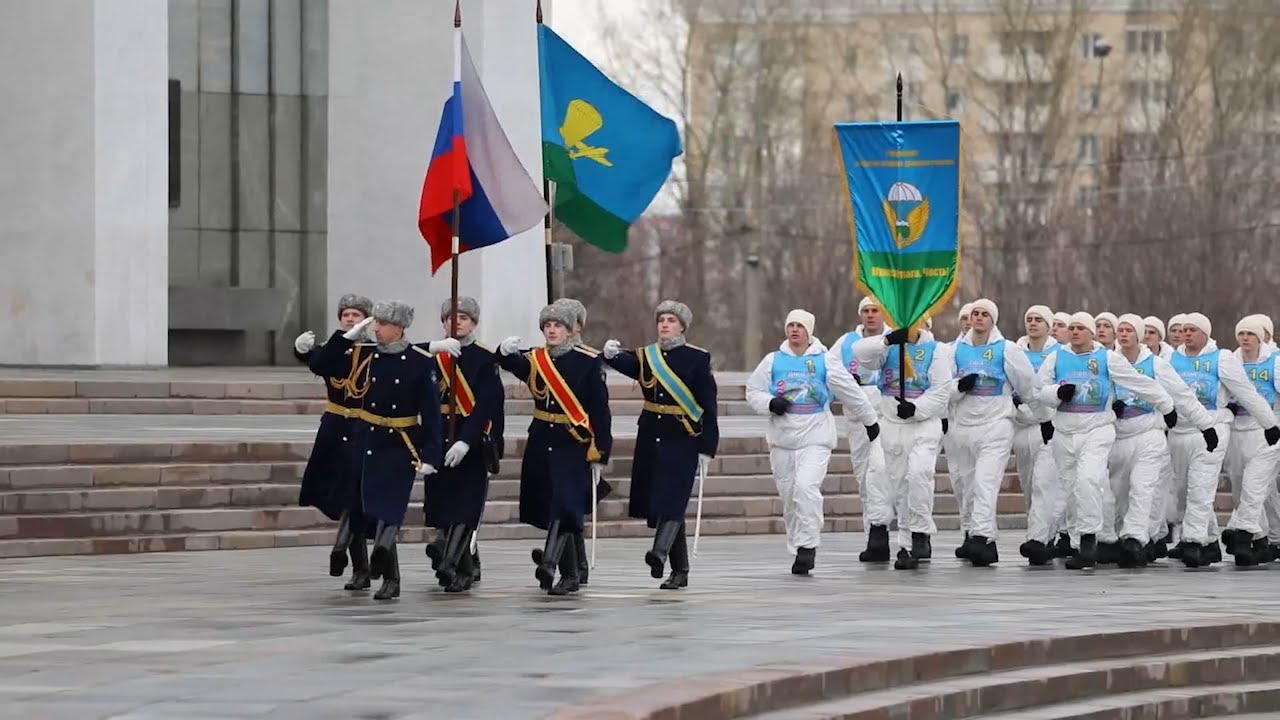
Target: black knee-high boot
391	578
457	544
584	560
338	555
383	543
568	570
663	539
551	554
679	562
359	564
435	548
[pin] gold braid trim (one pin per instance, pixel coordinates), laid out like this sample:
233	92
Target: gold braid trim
351	384
652	382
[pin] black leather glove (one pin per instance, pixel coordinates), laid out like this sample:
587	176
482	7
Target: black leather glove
857	378
1017	400
1272	434
945	426
1211	439
779	405
1117	407
967	382
1171	420
1234	407
1066	391
896	337
1046	432
873	432
906	409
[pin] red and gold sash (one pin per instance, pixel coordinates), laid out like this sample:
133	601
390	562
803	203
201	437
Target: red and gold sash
542	365
466	398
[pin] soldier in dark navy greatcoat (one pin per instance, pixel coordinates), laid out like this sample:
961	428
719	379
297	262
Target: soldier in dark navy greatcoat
569	439
327	482
397	436
677	434
454	498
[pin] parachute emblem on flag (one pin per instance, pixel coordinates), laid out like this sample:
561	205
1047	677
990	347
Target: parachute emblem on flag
581	120
905	200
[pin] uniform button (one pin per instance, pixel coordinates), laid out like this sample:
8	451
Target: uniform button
376	355
393	407
397	381
373	379
373	404
344	439
368	452
401	357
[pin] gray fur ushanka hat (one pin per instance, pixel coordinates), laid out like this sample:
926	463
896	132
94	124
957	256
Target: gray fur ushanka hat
351	301
466	306
559	311
677	308
395	312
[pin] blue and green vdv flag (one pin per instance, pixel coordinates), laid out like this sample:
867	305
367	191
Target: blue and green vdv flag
607	151
902	183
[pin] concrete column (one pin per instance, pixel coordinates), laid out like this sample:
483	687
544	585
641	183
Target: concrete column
389	74
83	196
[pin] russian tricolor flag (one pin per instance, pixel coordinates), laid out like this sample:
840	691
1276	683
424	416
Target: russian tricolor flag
472	157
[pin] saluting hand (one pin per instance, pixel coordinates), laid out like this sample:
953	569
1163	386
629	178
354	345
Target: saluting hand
611	349
357	332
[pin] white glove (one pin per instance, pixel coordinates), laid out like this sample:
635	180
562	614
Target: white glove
704	461
453	456
611	349
447	345
509	346
305	342
597	469
357	332
423	470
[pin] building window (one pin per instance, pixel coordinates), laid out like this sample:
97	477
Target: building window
1033	42
1145	42
955	102
1155	92
959	46
1087	196
175	143
1087	149
1088	98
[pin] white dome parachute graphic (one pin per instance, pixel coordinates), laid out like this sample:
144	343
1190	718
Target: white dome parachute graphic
907	212
904	192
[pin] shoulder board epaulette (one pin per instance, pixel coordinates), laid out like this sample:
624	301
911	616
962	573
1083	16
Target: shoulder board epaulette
482	346
695	347
587	350
421	351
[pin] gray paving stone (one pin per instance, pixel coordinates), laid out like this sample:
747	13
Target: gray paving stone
193	634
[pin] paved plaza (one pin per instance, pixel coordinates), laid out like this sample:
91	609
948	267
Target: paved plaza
267	634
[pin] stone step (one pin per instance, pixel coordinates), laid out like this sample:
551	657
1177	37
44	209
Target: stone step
18	502
238	539
241	406
961	681
1032	692
1203	701
732	452
304	387
104	523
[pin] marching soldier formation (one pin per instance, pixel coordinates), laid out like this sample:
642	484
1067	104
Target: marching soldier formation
1120	427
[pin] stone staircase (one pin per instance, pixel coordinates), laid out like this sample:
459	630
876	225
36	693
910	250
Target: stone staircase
1196	672
81	496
